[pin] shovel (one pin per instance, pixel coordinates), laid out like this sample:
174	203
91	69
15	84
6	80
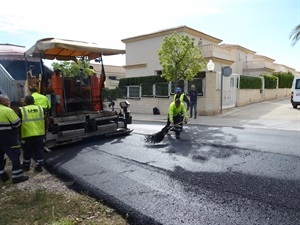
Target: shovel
159	136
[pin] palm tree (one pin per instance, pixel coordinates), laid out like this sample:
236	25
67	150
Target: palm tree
295	35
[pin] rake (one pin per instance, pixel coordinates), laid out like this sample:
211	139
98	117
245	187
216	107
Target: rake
159	136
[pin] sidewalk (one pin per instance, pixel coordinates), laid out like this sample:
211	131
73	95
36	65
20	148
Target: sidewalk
276	114
217	120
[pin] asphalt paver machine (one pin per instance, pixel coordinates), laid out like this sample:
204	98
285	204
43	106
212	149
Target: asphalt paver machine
77	107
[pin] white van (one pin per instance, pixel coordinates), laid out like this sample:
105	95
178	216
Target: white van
295	92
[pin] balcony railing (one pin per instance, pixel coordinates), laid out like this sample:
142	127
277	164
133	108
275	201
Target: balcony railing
258	65
209	51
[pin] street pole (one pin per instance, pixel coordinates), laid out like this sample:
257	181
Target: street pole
221	100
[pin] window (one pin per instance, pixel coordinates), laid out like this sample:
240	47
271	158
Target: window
147	89
132	92
161	89
297	86
179	84
112	77
158	72
198	82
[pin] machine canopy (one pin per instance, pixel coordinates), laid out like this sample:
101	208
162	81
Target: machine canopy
62	49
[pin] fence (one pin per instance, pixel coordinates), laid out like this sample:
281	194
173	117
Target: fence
143	98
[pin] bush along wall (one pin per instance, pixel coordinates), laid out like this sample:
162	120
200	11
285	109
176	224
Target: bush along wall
285	80
140	80
111	94
270	81
249	82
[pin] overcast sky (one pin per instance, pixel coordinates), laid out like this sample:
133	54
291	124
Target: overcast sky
263	26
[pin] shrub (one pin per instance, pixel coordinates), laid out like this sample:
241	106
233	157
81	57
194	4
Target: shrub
270	81
249	82
285	80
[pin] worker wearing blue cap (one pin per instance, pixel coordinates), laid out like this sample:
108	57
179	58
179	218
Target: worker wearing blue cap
182	97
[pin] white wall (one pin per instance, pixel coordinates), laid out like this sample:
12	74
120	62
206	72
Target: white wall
146	52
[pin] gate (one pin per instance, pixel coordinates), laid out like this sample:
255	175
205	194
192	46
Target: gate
229	90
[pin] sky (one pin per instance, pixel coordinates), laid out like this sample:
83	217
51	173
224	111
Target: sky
263	26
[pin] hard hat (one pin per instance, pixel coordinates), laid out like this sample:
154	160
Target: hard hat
178	89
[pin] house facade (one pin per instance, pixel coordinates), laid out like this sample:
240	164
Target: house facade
142	57
112	73
219	93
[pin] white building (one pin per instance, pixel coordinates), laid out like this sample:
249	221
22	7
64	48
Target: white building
142	54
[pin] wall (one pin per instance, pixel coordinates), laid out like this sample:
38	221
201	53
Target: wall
270	94
207	105
248	96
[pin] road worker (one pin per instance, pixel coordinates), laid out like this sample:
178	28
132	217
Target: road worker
176	116
183	98
40	99
32	134
9	141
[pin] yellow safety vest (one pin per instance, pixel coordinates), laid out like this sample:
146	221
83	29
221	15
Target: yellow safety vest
33	123
9	121
174	111
41	100
181	97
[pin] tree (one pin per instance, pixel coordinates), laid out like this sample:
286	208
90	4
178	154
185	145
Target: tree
71	68
295	35
180	58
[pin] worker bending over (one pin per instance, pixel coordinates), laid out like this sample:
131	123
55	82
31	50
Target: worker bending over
177	115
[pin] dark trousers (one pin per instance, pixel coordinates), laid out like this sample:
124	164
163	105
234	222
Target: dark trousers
12	150
33	147
177	119
193	108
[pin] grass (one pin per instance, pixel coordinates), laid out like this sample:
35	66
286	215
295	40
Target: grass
23	206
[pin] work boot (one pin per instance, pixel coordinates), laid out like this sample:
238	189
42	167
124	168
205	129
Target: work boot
4	177
38	169
20	179
25	167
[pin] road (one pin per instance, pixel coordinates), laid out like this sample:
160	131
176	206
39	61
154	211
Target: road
212	175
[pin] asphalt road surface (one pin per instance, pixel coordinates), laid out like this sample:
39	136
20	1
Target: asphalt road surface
212	175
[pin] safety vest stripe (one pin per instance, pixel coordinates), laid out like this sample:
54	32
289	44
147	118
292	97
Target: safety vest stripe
6	128
36	119
9	126
9	123
16	146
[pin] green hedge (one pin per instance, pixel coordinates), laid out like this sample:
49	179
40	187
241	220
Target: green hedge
285	80
270	81
249	82
112	93
141	80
